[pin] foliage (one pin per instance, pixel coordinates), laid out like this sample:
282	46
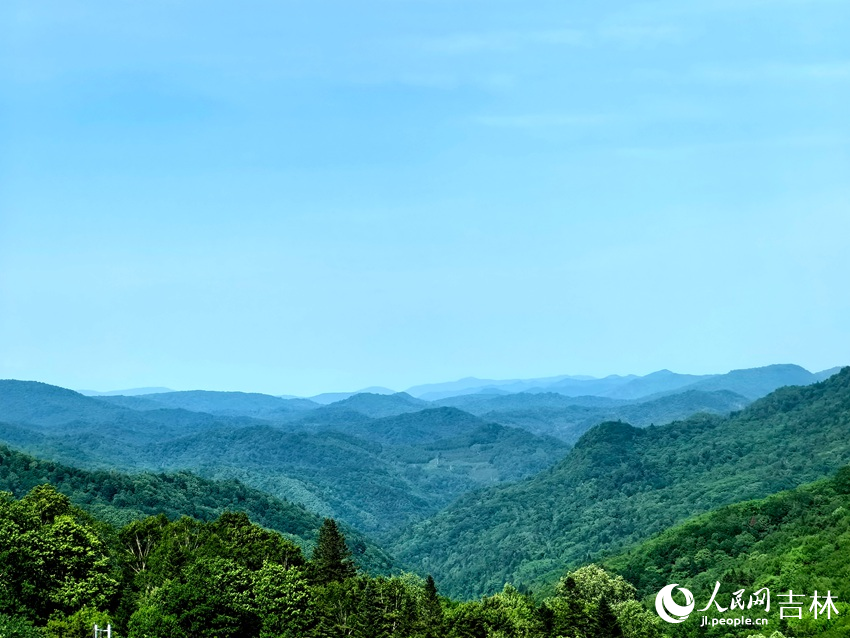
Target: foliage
18	627
77	625
567	418
53	557
331	561
620	485
229	578
367	460
797	540
120	499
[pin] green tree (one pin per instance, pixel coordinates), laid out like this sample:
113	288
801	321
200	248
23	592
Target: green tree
235	536
606	621
432	610
284	604
214	597
637	621
53	557
331	559
17	627
80	624
567	613
150	621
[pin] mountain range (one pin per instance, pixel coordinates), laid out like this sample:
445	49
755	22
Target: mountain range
484	488
378	461
621	484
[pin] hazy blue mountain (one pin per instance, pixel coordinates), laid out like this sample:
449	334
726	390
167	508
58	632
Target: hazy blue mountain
56	411
584	387
621	484
754	383
654	383
437	391
250	404
567	418
38	403
487	403
377	473
140	402
333	397
825	374
130	392
378	405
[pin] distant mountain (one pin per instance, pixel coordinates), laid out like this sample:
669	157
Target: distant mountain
30	408
437	391
654	383
590	387
42	404
621	484
825	374
481	403
752	383
377	473
378	405
332	397
223	403
567	418
130	392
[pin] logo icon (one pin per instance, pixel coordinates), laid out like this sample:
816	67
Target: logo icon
669	609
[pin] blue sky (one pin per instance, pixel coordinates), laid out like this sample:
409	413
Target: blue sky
306	196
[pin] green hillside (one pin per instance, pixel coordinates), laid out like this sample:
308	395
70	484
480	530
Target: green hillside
568	418
797	540
121	498
65	572
377	474
621	484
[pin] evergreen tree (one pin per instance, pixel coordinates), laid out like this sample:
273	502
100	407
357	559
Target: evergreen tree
568	615
331	561
609	626
432	610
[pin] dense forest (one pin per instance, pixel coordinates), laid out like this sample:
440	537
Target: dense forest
620	485
118	499
377	462
374	472
578	550
63	571
797	540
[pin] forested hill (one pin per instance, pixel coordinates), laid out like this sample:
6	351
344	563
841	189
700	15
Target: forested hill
567	418
620	484
376	473
120	498
797	540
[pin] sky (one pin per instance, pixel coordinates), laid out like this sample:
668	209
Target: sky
303	196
